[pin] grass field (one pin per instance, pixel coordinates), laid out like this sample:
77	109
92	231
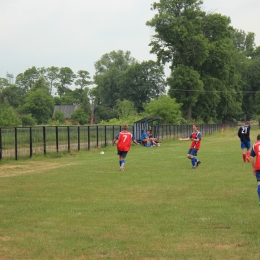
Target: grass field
81	206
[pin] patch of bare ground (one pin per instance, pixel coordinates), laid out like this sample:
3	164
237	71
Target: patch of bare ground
9	170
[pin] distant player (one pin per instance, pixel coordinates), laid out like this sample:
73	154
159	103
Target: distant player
255	162
195	138
124	140
244	135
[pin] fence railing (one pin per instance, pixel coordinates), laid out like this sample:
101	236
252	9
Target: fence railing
27	141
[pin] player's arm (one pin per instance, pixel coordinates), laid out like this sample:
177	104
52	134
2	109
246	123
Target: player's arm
185	139
134	141
115	139
252	160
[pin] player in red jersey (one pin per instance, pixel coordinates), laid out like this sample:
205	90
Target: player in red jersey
255	162
195	137
124	140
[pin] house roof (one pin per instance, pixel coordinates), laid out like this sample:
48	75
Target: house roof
67	110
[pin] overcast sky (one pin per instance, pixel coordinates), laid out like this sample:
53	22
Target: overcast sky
76	33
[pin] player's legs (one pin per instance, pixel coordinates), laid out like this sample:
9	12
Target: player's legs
257	174
122	156
191	155
245	146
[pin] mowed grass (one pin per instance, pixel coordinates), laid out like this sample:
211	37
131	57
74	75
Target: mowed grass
81	206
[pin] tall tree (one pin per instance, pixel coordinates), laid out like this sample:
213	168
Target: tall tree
109	74
39	102
179	41
142	82
26	80
66	78
52	75
83	79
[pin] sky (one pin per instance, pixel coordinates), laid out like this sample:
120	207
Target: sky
76	33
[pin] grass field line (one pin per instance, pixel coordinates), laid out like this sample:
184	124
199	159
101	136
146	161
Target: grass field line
16	170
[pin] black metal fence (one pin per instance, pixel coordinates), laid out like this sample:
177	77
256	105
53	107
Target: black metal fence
27	141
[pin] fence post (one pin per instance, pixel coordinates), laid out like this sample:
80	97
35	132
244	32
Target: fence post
30	132
68	129
15	143
97	135
105	136
113	133
88	138
78	138
57	139
44	139
1	145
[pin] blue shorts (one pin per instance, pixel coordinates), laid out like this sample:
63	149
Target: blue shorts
257	175
193	151
245	145
122	153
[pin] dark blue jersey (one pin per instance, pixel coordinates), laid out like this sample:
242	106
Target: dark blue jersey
244	133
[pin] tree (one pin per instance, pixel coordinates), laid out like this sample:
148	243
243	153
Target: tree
109	74
80	116
59	116
28	120
3	83
66	78
26	80
142	82
14	95
8	117
39	102
178	37
52	76
185	86
179	40
166	108
82	80
125	109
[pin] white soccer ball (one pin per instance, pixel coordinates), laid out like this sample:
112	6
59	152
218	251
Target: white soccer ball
101	152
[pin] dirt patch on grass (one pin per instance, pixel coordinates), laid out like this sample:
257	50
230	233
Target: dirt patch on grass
8	170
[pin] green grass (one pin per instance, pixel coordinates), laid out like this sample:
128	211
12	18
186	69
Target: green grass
81	206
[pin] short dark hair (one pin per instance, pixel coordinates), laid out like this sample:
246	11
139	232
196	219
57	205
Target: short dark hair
258	137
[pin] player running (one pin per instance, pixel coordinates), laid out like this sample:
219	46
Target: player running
244	135
124	140
255	162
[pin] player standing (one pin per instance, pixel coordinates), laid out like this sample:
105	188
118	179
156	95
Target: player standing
244	135
255	162
124	140
195	137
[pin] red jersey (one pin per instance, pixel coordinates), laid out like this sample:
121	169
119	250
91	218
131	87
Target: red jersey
194	144
256	148
124	141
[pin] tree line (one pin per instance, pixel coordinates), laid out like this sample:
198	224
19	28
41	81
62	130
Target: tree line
215	77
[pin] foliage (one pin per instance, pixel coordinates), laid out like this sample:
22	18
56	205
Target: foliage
125	109
166	108
80	116
104	113
28	120
109	74
142	82
115	121
83	79
59	116
8	117
38	102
